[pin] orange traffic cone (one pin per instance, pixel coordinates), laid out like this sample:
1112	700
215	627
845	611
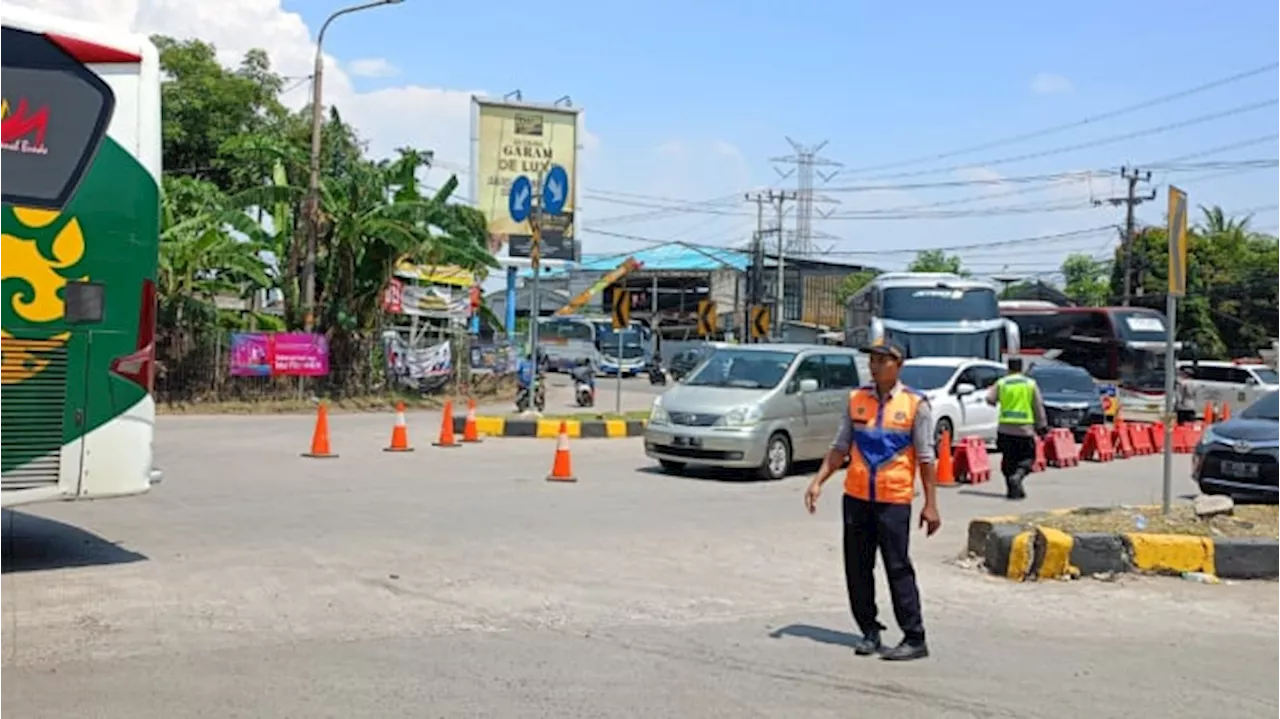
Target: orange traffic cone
946	466
399	433
320	438
471	433
446	428
1208	413
1226	412
562	467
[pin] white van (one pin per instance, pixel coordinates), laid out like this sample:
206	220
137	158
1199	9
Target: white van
1236	384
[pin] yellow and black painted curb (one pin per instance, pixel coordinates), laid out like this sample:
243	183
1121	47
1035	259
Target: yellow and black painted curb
1018	551
549	428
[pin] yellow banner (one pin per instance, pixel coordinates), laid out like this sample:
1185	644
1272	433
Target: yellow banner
512	140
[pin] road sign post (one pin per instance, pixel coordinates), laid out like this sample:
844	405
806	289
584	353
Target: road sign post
520	205
760	322
621	322
1177	231
707	318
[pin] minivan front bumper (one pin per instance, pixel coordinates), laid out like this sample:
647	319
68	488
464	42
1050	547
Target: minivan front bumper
730	447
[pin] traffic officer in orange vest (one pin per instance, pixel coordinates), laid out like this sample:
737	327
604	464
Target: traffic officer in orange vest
887	434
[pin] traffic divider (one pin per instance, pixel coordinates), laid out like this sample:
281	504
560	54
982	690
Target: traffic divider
1061	449
549	428
1040	463
972	462
1139	436
1097	445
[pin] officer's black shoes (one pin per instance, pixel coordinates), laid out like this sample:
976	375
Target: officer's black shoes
866	646
1014	490
905	652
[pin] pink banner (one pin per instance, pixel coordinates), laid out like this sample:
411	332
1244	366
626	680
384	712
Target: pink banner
298	354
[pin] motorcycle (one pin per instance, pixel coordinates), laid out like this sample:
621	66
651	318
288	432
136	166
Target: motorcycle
656	373
539	397
585	394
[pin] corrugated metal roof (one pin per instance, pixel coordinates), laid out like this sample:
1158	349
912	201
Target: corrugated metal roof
671	256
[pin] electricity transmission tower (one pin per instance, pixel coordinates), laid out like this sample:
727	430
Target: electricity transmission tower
807	161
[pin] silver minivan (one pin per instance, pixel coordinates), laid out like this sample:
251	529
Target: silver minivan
758	407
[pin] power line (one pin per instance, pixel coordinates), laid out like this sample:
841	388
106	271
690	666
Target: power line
1212	84
1109	140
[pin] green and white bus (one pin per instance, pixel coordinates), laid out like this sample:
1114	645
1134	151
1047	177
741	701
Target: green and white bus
80	168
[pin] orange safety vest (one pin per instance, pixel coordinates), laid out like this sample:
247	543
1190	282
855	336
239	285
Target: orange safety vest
882	458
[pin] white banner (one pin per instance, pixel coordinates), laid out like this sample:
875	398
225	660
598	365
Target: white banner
410	366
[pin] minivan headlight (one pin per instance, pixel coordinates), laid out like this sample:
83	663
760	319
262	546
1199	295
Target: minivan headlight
745	416
658	415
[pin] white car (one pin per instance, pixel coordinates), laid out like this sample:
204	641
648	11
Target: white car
957	389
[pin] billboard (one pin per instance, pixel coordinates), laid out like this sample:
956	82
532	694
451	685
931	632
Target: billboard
510	139
275	354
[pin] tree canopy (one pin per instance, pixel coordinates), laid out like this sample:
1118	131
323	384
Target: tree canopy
233	226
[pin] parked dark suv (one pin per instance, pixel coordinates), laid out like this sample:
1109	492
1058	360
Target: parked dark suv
1071	399
1238	457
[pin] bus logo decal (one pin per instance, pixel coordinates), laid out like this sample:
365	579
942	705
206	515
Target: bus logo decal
16	128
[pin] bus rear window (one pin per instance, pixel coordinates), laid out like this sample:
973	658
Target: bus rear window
55	114
1139	326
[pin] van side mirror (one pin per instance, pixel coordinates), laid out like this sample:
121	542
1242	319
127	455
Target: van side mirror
808	385
964	388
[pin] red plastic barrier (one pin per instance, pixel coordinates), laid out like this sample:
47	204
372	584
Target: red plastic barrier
1139	438
1097	445
1121	445
1039	464
1061	449
1156	432
1186	436
972	462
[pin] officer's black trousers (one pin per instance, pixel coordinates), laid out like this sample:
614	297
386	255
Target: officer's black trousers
1017	456
870	526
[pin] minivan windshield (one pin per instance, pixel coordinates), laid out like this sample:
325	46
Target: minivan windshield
746	369
924	376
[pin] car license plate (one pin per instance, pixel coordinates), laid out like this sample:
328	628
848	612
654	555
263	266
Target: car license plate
1062	421
1240	470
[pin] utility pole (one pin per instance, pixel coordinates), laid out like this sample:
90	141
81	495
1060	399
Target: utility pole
1132	176
755	278
778	199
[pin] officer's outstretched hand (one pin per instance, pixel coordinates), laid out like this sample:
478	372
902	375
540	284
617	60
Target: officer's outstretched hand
930	520
811	496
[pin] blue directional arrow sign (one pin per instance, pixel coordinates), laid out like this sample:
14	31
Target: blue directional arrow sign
555	190
520	201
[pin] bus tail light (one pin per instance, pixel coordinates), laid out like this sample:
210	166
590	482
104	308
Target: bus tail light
139	366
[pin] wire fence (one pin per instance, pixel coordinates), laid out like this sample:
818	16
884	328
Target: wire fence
196	368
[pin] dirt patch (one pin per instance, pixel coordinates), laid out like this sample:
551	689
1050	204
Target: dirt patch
1247	521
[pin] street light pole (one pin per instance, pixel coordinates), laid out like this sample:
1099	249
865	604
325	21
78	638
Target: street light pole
313	181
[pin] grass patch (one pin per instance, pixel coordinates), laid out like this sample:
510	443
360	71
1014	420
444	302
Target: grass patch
1247	521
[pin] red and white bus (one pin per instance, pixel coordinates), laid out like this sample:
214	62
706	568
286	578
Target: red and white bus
1124	346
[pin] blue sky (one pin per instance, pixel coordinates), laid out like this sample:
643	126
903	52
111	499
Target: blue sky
690	100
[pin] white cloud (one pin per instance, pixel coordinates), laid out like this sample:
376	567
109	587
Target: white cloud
372	67
670	148
1048	83
437	119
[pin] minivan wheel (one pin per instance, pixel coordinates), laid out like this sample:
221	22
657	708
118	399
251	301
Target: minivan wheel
671	467
777	457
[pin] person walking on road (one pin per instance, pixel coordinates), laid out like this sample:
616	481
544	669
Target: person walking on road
1022	419
1186	401
887	434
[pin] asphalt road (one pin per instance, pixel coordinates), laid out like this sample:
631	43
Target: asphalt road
458	583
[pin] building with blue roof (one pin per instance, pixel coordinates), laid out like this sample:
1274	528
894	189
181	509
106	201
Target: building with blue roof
675	276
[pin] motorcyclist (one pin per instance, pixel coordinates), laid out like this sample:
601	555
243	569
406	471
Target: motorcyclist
524	372
584	373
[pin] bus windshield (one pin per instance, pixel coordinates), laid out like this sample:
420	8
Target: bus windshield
1138	326
940	304
951	344
632	344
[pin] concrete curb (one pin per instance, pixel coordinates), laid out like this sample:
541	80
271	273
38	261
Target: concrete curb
550	428
1021	552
